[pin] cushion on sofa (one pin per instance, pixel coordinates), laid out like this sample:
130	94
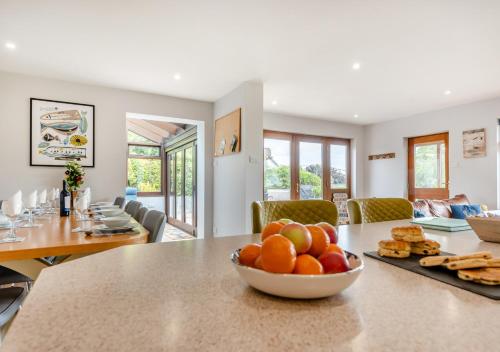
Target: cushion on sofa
421	208
440	208
461	211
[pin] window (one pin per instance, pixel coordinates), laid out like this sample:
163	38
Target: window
277	169
299	166
144	167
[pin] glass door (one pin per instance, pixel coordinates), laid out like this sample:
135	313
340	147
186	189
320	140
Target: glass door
310	170
181	202
428	167
298	166
277	167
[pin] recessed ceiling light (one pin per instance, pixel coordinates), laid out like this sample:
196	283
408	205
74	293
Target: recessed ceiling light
274	102
356	116
10	45
356	66
177	76
447	92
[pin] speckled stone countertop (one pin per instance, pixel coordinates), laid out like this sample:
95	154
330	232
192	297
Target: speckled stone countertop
185	296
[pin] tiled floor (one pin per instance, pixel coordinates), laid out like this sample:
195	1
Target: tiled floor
172	233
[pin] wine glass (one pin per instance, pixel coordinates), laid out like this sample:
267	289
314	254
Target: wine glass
12	212
81	205
30	205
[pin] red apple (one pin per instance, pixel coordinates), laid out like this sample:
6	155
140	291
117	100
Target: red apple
330	230
299	235
333	263
286	221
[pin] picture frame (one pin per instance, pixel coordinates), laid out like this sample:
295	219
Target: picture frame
61	131
474	143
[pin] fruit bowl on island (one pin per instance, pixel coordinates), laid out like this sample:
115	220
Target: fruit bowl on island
296	285
297	261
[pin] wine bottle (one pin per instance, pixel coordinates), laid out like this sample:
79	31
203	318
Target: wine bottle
64	200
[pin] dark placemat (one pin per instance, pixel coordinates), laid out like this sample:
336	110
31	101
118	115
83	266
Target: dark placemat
438	273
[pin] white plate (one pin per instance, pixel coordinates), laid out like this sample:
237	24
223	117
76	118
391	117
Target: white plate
110	212
299	286
100	204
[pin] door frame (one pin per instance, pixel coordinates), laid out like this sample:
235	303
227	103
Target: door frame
428	192
188	141
295	139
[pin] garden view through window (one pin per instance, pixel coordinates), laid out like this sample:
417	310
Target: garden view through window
304	167
144	164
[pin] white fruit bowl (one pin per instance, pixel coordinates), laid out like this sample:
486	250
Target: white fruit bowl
299	286
117	221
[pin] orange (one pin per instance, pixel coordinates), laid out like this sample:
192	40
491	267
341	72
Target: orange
320	240
258	263
333	248
278	254
249	253
272	228
307	265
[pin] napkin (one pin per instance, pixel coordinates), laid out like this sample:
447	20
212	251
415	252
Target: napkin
87	194
13	205
31	203
43	197
82	203
52	194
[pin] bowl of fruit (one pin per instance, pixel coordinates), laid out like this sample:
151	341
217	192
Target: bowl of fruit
297	261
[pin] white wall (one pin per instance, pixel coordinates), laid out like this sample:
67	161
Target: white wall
475	177
303	125
108	178
238	177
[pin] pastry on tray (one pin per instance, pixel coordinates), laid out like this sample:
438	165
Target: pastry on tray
440	260
485	276
394	249
467	264
413	233
427	247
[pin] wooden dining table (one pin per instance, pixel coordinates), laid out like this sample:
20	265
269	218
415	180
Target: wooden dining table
55	237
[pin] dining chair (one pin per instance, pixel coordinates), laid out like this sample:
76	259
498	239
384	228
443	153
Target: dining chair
9	276
154	222
303	211
132	208
11	299
368	210
120	201
141	214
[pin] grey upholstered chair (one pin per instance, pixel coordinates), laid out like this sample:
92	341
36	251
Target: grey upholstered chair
154	222
141	214
120	201
11	299
132	208
9	276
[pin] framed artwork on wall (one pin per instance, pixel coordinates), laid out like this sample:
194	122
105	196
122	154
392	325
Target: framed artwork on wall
474	143
61	131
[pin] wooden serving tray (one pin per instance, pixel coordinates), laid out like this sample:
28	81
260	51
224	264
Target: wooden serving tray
439	273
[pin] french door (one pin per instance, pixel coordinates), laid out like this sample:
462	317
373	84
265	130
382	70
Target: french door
305	167
181	183
428	167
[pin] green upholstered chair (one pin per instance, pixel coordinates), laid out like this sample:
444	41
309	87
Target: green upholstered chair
378	209
303	211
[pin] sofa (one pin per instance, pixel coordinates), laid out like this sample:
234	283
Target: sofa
438	208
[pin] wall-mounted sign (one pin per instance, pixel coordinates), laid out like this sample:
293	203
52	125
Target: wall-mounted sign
382	156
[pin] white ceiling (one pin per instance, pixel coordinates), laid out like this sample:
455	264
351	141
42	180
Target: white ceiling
410	51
